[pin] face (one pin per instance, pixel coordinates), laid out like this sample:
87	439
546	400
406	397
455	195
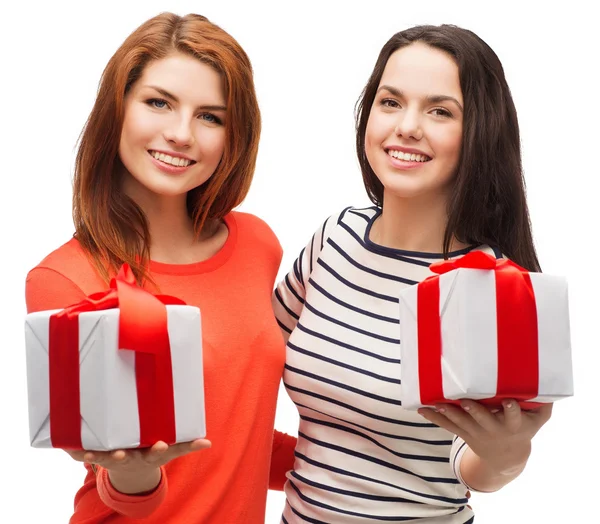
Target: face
414	132
173	132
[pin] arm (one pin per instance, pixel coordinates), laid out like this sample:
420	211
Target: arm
290	293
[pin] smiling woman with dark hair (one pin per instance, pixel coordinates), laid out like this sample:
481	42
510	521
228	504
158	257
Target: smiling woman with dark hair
438	143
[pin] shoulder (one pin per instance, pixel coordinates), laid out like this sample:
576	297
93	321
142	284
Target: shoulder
351	218
68	263
256	236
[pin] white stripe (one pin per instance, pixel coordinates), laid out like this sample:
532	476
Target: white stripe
409	344
469	333
185	338
108	393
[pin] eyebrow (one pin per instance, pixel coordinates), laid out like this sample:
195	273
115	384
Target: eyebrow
434	99
172	97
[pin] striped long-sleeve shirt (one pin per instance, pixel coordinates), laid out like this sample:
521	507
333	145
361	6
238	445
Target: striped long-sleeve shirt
360	456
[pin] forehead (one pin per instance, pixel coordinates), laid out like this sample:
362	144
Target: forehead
185	77
420	69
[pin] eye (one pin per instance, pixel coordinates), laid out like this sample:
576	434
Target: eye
157	103
210	118
440	111
389	102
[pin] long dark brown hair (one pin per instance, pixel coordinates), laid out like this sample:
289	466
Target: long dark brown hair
111	228
488	203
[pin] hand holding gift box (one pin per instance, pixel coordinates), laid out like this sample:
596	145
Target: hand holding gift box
102	378
487	330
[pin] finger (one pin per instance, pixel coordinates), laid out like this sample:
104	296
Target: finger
460	418
76	454
440	420
156	452
540	415
512	415
118	455
189	447
200	443
484	418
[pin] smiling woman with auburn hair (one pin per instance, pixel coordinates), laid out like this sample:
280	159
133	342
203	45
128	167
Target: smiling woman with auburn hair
168	151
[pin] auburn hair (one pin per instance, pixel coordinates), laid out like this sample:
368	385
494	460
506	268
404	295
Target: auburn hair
488	202
110	227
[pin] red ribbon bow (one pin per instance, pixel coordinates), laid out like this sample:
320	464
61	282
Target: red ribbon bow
517	328
142	329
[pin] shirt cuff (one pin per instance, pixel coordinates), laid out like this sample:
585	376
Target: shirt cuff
135	506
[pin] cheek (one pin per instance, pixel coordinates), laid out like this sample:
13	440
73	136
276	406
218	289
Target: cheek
133	128
212	141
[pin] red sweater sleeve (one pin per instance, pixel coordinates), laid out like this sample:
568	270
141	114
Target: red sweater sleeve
282	459
46	289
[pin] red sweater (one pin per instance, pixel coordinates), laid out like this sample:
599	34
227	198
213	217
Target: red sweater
243	353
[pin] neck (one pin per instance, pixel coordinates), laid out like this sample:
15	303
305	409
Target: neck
172	235
413	224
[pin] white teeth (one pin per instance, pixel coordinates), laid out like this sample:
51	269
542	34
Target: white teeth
409	157
172	160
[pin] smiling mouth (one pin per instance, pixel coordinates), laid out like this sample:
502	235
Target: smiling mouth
407	157
171	160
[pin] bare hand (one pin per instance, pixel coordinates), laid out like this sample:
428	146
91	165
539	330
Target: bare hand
502	439
139	460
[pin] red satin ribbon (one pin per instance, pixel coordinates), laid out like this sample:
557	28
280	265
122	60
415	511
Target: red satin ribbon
518	365
142	329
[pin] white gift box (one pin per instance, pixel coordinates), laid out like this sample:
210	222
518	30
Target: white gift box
469	361
108	395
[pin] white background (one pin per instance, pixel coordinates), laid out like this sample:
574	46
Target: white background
311	61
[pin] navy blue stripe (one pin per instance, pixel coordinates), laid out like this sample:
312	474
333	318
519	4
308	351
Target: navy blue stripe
361	411
357	410
347	346
312	253
304	517
284	327
323	233
324	487
349	326
346	429
298	267
365	217
281	301
345	512
391	254
354	390
342	364
366	269
350	306
345	281
381	433
292	290
346	473
368	458
497	252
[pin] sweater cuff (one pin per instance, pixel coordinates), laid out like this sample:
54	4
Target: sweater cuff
134	506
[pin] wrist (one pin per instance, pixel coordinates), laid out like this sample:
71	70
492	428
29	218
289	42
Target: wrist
136	482
489	475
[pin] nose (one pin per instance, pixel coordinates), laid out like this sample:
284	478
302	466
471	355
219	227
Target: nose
179	133
409	125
